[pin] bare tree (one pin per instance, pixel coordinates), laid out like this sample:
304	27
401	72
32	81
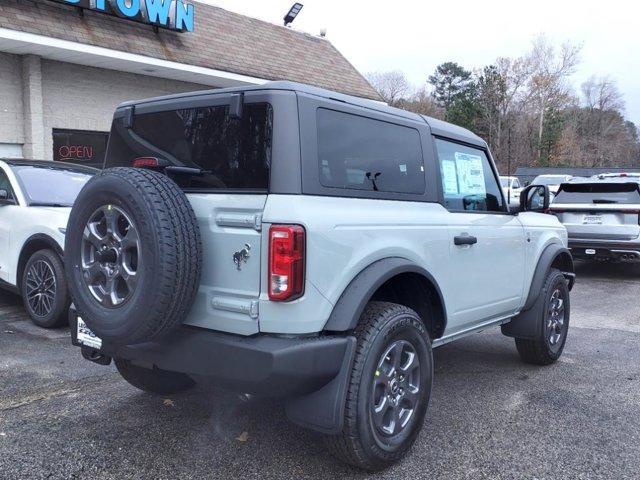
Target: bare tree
548	81
422	102
392	86
602	93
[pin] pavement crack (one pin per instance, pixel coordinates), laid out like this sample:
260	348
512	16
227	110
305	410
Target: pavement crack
16	403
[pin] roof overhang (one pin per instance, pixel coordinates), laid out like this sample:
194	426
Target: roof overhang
22	43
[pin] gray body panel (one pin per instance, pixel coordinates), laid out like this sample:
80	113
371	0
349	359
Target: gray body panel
348	230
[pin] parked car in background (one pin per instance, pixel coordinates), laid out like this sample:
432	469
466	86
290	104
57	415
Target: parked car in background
290	241
551	181
617	175
602	216
512	188
35	201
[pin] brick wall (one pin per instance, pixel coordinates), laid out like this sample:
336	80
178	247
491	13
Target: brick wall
84	98
11	120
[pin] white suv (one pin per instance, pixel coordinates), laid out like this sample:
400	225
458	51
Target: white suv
286	240
35	201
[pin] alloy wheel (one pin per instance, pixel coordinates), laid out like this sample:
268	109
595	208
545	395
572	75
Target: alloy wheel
110	256
41	288
396	389
555	318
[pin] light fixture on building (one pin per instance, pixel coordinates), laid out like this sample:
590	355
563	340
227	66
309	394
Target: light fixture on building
293	13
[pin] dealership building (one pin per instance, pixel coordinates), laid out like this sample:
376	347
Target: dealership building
66	64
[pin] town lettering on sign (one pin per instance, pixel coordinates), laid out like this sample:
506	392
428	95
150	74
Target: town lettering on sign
175	15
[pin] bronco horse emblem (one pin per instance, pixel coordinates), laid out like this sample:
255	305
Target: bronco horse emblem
242	256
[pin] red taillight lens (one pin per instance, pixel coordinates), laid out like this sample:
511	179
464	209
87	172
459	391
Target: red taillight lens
286	262
145	162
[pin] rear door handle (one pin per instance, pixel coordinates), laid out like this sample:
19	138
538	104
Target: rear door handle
465	240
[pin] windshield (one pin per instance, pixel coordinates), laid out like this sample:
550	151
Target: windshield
599	193
51	186
552	180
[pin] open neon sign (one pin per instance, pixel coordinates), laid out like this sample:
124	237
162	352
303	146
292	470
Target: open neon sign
170	14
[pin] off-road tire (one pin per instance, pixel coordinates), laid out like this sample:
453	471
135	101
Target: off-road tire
380	325
157	381
58	314
170	255
539	351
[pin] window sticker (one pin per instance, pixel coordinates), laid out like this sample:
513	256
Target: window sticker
449	177
470	174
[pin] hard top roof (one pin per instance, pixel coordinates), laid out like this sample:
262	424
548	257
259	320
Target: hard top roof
438	127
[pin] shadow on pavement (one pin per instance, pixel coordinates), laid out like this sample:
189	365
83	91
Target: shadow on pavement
608	270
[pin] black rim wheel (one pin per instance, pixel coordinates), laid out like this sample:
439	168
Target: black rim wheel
395	390
110	256
41	288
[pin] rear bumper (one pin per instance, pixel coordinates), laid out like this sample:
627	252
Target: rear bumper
605	249
262	364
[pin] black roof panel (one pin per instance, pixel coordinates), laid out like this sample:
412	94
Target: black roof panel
438	127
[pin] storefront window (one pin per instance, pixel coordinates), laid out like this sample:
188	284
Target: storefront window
79	146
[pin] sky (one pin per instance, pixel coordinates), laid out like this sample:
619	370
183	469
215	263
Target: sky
415	36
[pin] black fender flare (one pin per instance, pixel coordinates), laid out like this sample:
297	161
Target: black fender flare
527	323
354	298
43	240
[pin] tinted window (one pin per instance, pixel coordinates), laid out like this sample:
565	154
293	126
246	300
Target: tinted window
364	154
623	193
468	182
233	153
51	186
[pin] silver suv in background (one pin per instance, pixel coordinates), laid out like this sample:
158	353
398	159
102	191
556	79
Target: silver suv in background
602	216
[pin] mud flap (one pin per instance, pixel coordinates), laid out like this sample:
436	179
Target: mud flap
323	410
527	325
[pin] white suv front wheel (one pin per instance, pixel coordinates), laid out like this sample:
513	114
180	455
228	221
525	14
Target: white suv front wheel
44	289
553	326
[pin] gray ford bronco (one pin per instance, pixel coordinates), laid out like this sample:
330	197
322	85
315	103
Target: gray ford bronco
290	241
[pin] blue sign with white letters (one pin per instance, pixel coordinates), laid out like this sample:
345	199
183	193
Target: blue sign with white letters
175	15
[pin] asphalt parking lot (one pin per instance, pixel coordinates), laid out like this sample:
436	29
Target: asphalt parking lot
490	417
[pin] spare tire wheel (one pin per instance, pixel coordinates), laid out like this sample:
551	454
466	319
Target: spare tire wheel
132	255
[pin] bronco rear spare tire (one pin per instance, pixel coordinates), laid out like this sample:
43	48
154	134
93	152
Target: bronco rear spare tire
132	255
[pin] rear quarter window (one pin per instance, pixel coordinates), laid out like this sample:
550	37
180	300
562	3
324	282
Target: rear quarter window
361	153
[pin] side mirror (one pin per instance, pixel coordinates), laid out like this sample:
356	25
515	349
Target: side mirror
535	198
5	199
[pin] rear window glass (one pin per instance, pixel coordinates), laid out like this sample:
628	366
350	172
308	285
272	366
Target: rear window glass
234	153
364	154
604	193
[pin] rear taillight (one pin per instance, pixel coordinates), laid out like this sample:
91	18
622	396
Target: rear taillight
286	262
